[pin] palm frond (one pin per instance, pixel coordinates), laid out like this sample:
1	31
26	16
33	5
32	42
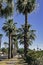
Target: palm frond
29	37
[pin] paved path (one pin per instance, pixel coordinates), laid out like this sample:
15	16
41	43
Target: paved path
15	61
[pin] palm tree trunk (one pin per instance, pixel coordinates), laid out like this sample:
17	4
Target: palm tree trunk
0	43
9	49
25	36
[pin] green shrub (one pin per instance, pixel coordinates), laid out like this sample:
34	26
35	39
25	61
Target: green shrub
21	51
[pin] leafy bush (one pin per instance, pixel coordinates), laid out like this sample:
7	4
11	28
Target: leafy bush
34	58
5	50
21	51
40	60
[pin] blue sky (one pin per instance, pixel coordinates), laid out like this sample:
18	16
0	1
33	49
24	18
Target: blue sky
35	19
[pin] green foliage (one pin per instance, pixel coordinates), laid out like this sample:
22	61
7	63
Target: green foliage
39	54
21	51
9	1
40	60
1	35
31	60
30	35
4	50
35	54
34	57
9	26
1	8
26	5
8	9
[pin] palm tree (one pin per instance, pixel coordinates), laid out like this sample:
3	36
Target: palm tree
0	39
30	37
7	11
8	27
25	7
14	37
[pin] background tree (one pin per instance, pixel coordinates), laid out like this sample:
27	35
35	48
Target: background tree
0	39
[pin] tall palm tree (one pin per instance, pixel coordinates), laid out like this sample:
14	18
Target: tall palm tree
0	39
8	27
7	10
30	37
25	7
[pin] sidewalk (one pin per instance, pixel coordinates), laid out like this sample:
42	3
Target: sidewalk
15	61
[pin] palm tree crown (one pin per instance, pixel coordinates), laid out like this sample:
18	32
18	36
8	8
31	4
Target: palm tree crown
25	5
8	9
9	26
